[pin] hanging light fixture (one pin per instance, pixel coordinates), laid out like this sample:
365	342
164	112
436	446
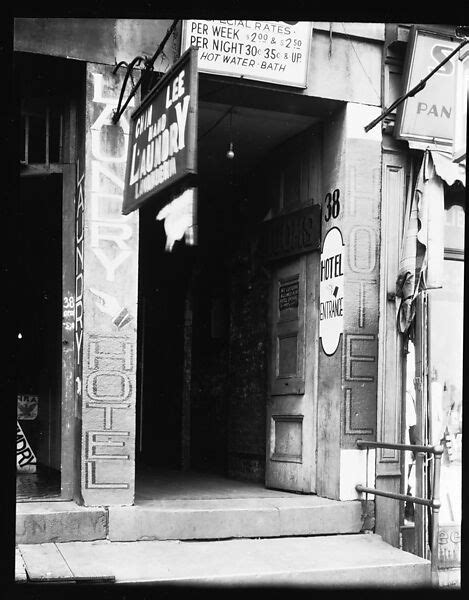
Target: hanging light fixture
230	154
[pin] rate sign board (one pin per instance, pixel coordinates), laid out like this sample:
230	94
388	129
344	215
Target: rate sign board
273	51
163	135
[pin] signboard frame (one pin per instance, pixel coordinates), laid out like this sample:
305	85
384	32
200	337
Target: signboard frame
229	73
460	106
190	157
419	140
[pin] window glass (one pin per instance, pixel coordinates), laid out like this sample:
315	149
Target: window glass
446	383
444	325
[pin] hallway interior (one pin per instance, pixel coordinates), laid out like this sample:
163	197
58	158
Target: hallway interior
153	484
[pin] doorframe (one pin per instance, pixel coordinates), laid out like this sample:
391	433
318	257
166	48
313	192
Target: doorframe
67	387
68	433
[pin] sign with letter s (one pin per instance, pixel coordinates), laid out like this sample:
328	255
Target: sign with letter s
428	117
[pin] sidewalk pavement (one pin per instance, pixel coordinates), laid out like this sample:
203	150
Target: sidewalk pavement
332	561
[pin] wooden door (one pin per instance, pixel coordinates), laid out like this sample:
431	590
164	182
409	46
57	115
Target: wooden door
291	410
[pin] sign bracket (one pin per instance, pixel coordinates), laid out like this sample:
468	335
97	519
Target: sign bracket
148	64
417	88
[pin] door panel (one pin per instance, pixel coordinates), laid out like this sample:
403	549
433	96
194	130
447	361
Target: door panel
291	440
288	330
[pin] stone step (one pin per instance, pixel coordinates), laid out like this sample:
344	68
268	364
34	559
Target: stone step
43	522
221	518
332	561
233	518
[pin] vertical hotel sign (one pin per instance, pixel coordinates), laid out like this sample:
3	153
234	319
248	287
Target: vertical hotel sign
428	116
162	146
273	51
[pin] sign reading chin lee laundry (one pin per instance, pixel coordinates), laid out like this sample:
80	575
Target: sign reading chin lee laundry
162	144
331	291
274	51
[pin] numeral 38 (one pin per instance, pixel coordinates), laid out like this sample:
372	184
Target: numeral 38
332	205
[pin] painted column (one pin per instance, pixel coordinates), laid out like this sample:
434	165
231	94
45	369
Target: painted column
348	376
106	299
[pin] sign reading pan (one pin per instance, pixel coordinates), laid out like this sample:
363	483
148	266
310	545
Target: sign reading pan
163	135
274	51
428	116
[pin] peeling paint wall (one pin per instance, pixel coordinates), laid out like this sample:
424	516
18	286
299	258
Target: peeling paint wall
348	378
106	41
344	67
352	49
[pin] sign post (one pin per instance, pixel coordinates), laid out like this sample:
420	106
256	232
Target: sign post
163	135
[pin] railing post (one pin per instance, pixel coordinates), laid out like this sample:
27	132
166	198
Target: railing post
433	502
436	504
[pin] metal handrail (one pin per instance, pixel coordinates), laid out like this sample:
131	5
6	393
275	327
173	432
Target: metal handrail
433	502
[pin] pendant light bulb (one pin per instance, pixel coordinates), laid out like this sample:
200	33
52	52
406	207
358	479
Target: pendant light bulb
230	153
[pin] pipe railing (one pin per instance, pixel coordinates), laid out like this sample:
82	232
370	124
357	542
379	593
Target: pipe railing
433	502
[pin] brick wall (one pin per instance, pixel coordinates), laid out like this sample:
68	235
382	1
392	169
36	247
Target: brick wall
229	380
248	367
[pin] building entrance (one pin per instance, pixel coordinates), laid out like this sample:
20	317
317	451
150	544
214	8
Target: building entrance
205	325
163	285
39	297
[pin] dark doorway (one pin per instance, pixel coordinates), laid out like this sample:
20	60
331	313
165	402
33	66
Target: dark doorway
39	301
163	280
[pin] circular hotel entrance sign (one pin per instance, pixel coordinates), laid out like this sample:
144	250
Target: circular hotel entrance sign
331	291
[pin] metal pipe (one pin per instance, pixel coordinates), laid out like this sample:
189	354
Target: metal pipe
148	66
436	504
415	89
414	448
404	497
118	112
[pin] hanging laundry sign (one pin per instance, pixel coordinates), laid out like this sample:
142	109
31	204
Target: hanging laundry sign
331	291
163	135
25	457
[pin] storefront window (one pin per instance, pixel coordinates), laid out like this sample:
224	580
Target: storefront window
439	349
447	314
446	384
